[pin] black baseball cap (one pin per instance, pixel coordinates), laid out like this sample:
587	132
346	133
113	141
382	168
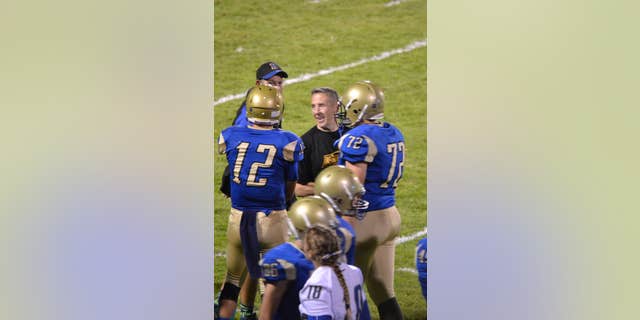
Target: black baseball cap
268	70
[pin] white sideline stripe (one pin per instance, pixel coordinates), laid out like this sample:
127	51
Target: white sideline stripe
393	3
412	270
410	237
307	76
398	241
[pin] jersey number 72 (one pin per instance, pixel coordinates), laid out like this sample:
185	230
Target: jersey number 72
395	149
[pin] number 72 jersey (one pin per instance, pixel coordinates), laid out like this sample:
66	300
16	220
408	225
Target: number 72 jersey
382	147
261	162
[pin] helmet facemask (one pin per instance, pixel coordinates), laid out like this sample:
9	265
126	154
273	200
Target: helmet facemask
353	208
340	187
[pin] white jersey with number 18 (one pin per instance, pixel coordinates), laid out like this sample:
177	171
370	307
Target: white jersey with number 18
322	296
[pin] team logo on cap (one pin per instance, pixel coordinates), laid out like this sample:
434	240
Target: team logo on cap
273	66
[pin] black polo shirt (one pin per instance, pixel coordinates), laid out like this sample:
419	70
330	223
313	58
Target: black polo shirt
319	153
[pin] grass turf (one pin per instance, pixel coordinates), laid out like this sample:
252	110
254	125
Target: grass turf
306	37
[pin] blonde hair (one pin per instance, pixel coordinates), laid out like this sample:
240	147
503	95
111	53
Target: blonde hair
323	247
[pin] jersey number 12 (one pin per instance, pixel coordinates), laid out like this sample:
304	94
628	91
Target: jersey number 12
251	179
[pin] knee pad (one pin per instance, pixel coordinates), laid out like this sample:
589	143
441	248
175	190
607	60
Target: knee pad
390	310
229	292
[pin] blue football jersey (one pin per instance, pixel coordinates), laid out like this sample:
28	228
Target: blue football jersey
421	264
241	120
347	240
382	147
286	262
261	162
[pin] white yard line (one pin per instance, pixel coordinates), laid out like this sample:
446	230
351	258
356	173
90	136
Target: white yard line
308	76
412	270
399	240
393	3
412	236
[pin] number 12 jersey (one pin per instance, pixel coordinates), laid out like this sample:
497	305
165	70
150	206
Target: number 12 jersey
261	162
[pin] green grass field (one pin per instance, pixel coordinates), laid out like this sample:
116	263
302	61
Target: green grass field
305	37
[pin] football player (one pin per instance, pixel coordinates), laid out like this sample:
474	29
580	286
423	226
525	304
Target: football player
268	74
375	152
285	268
334	289
264	169
421	265
339	186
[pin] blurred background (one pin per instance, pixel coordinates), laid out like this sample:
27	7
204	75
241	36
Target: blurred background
107	130
331	44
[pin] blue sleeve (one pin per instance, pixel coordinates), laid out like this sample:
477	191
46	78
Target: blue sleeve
223	145
241	117
292	171
298	151
274	270
351	254
421	265
344	231
293	154
353	148
421	257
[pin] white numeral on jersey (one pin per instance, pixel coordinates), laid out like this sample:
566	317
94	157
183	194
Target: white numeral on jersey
242	152
394	148
251	179
270	270
354	142
422	256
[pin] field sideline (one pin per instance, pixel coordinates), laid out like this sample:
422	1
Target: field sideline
388	47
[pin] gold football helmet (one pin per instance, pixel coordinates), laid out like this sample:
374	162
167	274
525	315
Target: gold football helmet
308	211
340	187
361	100
265	105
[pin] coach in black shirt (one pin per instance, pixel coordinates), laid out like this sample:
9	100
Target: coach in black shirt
319	151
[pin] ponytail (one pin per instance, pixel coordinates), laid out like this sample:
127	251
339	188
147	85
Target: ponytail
343	284
323	246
